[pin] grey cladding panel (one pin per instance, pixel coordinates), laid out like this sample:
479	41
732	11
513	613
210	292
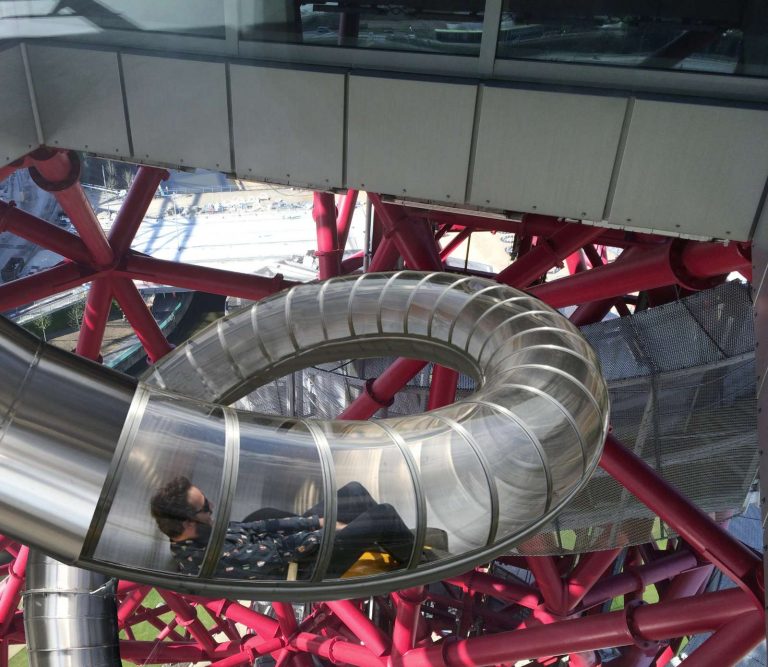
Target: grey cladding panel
178	111
409	137
692	169
79	99
552	153
288	125
17	126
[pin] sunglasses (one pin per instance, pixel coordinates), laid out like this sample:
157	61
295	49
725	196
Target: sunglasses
206	508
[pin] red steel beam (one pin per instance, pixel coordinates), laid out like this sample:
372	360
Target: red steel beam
206	279
349	614
639	578
479	582
336	650
141	319
95	316
134	208
344	222
413	239
12	167
547	254
187	618
407	616
585	575
380	392
386	256
690	264
328	251
548	581
707	538
730	643
59	278
454	243
442	389
42	233
656	622
531	224
58	172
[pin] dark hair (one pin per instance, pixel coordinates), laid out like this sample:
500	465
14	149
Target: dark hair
170	507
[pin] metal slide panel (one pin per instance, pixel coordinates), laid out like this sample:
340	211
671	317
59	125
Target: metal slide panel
409	138
288	125
543	152
17	126
79	99
692	169
178	112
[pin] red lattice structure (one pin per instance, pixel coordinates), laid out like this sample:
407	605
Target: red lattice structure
483	617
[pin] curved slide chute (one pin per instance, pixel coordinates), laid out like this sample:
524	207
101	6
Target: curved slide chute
84	448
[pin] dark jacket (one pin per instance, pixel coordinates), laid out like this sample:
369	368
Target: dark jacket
255	550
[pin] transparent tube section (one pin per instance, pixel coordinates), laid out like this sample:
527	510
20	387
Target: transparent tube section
205	498
427	493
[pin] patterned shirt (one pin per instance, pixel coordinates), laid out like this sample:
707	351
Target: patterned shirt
255	550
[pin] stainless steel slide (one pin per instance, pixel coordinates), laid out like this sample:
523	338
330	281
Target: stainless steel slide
83	448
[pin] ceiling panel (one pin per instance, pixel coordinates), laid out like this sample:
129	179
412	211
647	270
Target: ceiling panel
692	169
178	111
288	125
79	99
552	153
17	127
409	137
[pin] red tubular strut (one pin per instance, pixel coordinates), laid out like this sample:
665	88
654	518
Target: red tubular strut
704	536
407	617
585	575
59	278
379	393
58	172
344	222
95	318
187	276
547	254
620	628
140	317
328	249
674	262
442	389
412	237
134	208
638	578
42	233
385	257
454	243
338	651
359	624
731	643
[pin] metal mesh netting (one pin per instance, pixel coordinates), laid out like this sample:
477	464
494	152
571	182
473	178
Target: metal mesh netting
682	384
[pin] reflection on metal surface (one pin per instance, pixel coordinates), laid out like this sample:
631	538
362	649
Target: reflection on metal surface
469	480
69	615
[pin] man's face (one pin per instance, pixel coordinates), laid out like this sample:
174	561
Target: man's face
200	506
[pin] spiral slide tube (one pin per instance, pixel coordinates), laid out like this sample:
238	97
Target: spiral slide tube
470	480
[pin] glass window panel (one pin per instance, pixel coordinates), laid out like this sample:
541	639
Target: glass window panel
723	38
376	498
193	18
175	439
278	497
432	27
455	487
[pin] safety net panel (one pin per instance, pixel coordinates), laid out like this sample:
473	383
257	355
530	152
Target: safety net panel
681	378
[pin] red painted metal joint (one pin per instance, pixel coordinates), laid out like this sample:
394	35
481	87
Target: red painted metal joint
57	186
382	403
